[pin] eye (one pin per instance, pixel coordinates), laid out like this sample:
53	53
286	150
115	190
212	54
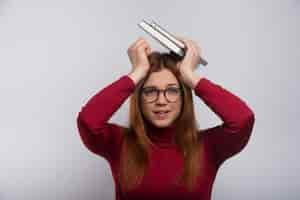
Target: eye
173	90
149	91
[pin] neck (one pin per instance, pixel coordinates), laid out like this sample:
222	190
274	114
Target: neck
163	137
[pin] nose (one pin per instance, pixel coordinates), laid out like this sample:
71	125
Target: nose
161	99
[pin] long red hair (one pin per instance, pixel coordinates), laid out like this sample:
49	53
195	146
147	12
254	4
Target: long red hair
135	151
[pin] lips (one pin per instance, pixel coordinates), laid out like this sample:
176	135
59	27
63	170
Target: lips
161	114
161	111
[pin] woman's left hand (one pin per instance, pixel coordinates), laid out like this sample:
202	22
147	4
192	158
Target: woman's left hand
190	61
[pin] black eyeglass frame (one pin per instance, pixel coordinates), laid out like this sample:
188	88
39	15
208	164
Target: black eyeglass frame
158	91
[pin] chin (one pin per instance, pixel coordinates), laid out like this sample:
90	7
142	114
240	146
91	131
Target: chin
161	123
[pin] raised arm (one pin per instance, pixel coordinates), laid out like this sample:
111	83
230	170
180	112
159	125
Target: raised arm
229	138
97	134
232	135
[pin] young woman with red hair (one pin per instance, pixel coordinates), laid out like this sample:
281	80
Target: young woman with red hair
163	154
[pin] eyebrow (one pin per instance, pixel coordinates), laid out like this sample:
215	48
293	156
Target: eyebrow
152	86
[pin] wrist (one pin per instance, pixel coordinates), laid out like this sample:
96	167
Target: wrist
192	79
195	80
136	76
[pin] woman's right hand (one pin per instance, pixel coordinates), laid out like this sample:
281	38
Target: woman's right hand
138	54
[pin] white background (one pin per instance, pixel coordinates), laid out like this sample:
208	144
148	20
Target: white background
55	55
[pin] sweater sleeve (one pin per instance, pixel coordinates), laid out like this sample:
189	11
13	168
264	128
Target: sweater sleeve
99	136
232	135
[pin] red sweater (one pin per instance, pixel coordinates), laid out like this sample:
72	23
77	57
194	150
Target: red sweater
219	142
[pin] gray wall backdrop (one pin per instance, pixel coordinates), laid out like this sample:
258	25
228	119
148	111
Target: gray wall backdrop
55	55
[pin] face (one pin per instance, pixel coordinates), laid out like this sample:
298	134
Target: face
164	111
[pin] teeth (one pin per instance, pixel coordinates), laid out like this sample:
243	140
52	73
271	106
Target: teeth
161	112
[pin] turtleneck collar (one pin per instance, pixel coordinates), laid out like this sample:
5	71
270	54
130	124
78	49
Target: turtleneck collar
162	137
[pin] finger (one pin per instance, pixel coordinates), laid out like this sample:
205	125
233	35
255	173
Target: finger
142	47
133	44
197	51
142	42
188	46
137	42
197	47
179	37
178	65
148	50
194	48
182	39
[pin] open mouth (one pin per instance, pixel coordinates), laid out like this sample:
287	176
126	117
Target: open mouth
161	114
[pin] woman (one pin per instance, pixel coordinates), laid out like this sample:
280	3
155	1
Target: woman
163	154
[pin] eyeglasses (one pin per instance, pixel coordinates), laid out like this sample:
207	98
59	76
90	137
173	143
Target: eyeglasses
151	94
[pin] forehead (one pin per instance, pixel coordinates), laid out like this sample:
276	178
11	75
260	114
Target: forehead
161	79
